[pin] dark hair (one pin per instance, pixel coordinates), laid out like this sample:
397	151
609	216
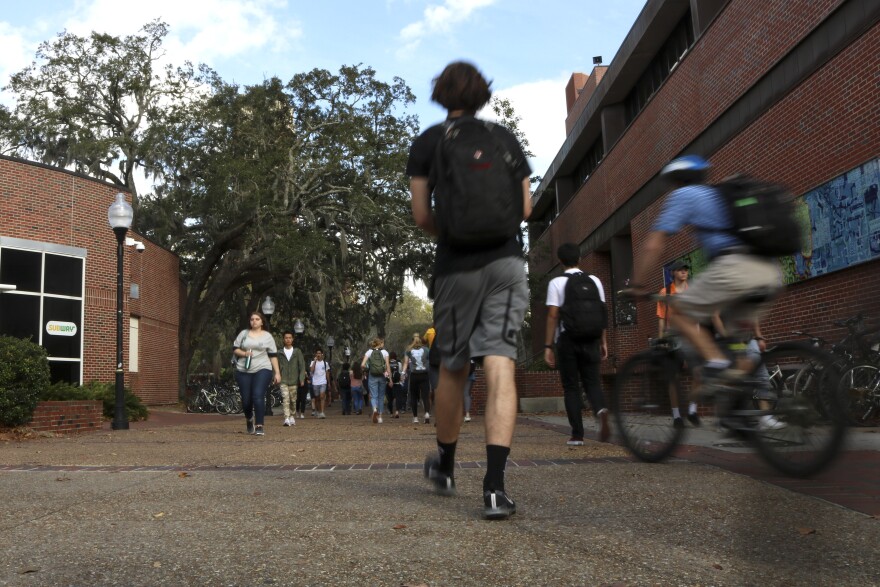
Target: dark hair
346	366
319	349
357	370
285	333
569	254
461	86
392	356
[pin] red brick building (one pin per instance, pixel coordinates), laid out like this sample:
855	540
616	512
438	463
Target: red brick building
57	248
785	90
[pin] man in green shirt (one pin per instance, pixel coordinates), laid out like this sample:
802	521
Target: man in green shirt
293	374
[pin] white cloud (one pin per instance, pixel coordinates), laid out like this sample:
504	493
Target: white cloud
438	19
200	30
541	106
17	54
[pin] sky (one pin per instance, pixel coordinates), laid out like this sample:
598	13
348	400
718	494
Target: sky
528	49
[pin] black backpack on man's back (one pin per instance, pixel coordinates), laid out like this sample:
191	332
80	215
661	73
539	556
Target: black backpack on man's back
477	199
582	315
762	215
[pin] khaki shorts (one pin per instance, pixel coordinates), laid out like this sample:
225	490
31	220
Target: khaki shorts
741	287
479	313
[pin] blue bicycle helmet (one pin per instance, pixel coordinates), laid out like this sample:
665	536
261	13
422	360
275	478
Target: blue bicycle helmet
686	169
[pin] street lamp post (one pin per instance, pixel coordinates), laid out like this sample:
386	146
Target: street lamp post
347	353
298	328
268	308
119	215
330	341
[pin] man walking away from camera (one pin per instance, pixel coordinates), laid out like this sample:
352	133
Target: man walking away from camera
479	179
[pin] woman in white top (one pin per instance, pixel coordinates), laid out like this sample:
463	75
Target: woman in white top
257	359
320	371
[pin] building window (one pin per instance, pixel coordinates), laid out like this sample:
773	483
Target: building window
666	59
47	304
134	326
590	161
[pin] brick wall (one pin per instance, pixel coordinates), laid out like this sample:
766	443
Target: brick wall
827	125
71	416
46	204
528	384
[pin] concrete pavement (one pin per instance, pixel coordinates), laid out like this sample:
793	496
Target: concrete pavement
191	500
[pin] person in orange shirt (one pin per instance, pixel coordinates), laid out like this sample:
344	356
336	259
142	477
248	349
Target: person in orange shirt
680	272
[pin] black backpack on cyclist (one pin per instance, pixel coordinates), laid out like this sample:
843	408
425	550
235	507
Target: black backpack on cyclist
762	215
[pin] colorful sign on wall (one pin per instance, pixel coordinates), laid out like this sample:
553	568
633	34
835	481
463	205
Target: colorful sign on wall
841	220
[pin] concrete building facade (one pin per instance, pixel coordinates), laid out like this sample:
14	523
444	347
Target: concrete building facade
57	248
784	90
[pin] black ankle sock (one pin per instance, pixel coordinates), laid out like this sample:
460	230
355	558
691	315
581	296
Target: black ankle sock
496	457
447	457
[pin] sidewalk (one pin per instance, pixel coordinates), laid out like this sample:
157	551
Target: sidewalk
192	500
852	481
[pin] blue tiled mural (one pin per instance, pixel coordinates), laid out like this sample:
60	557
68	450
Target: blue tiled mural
841	220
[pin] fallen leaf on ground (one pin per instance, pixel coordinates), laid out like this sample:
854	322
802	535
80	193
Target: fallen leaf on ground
806	531
159	515
301	450
717	566
62	479
157	564
398	526
26	571
183	474
258	493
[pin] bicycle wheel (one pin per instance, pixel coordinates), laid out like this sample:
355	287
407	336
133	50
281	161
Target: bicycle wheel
641	407
223	402
807	428
860	389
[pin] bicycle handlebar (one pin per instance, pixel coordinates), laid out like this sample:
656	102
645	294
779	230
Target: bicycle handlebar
849	322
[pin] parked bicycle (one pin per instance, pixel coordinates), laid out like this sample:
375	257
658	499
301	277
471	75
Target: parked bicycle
857	359
208	396
809	424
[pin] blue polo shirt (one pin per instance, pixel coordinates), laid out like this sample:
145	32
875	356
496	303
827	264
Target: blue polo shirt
702	207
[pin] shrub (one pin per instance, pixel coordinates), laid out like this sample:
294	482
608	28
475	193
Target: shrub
95	390
24	373
63	392
106	392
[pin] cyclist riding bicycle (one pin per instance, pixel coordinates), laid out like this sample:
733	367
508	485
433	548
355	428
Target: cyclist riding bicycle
737	283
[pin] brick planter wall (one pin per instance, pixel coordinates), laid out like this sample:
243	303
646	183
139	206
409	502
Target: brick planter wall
528	384
70	416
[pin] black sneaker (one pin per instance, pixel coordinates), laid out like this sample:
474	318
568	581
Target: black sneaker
250	426
443	484
694	419
497	506
677	423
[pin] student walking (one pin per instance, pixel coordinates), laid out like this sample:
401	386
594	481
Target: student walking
577	323
357	388
480	290
293	374
415	363
376	362
256	367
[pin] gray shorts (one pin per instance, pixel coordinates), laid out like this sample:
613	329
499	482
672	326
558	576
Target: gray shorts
319	390
479	313
726	286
